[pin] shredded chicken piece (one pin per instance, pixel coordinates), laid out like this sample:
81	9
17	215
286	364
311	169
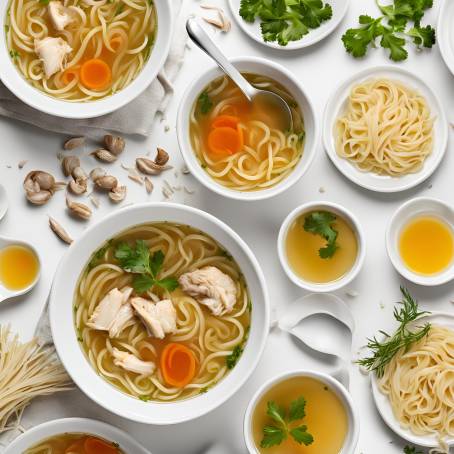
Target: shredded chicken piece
124	315
159	318
59	15
211	287
130	362
52	52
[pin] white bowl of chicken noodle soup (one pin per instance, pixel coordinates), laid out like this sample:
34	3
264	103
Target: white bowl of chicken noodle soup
82	58
75	435
241	149
159	313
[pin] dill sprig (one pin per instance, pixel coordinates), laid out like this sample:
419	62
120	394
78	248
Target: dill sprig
404	337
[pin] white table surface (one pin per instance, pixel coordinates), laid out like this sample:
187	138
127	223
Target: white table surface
319	69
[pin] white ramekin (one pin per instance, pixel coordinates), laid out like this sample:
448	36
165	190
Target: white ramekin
353	420
354	223
265	68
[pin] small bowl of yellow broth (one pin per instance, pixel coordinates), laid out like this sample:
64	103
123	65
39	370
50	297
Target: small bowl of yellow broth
420	241
321	246
301	412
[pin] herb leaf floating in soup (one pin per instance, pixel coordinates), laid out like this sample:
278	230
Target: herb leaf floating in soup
275	434
205	103
284	20
321	223
411	450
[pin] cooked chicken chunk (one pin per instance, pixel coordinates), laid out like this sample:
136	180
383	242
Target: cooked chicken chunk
211	287
109	312
52	52
159	318
124	315
59	15
130	362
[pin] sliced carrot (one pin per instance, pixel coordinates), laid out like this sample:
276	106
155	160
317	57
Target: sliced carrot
225	141
228	121
94	445
69	75
95	74
178	365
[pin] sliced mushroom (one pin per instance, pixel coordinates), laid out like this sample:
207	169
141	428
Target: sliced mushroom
115	144
162	157
148	185
149	167
38	198
104	155
59	231
74	142
97	173
78	187
39	186
118	194
69	163
80	210
106	182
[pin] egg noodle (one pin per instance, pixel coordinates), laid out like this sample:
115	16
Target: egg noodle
268	154
211	338
386	128
419	383
122	33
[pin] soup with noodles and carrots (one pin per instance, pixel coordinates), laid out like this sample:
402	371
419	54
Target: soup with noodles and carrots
245	146
80	50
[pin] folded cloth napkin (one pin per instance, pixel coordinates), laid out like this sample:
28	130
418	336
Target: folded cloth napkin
134	118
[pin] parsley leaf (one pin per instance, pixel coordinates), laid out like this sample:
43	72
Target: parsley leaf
302	436
272	436
297	409
205	103
395	45
357	40
320	223
411	450
233	358
44	2
285	20
137	260
275	412
422	36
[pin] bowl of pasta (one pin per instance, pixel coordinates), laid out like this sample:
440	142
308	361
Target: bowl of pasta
82	59
240	149
159	313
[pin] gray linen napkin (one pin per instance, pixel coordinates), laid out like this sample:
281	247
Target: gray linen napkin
135	118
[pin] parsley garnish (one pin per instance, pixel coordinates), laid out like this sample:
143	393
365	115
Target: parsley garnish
275	434
145	398
205	103
44	2
411	450
321	223
233	358
139	261
97	257
392	28
286	20
14	54
383	352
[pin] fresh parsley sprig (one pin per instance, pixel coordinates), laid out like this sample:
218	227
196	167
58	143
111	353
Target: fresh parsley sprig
392	28
275	434
205	103
411	450
404	337
285	20
146	267
321	223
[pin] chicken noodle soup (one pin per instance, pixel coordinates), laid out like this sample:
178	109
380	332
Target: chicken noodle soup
311	419
80	50
245	146
162	311
75	443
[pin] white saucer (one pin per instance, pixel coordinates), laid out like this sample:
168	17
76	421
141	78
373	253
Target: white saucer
445	33
339	7
369	180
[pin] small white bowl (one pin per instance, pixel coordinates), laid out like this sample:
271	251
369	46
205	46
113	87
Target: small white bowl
353	420
383	403
445	33
405	213
37	99
354	223
340	8
266	68
369	180
76	362
39	433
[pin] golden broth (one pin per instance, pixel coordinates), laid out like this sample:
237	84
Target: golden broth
118	34
19	267
76	443
302	250
426	245
323	407
242	145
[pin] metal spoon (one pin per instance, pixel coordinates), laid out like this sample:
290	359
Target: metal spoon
266	97
6	293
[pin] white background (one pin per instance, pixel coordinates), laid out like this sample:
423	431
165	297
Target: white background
319	69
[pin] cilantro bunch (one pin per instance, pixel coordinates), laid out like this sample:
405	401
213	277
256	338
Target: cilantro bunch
146	267
393	29
321	223
285	20
282	427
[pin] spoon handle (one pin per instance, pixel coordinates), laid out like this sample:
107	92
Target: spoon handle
202	40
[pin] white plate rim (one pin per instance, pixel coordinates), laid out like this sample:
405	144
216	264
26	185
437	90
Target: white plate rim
384	408
446	50
348	169
305	41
